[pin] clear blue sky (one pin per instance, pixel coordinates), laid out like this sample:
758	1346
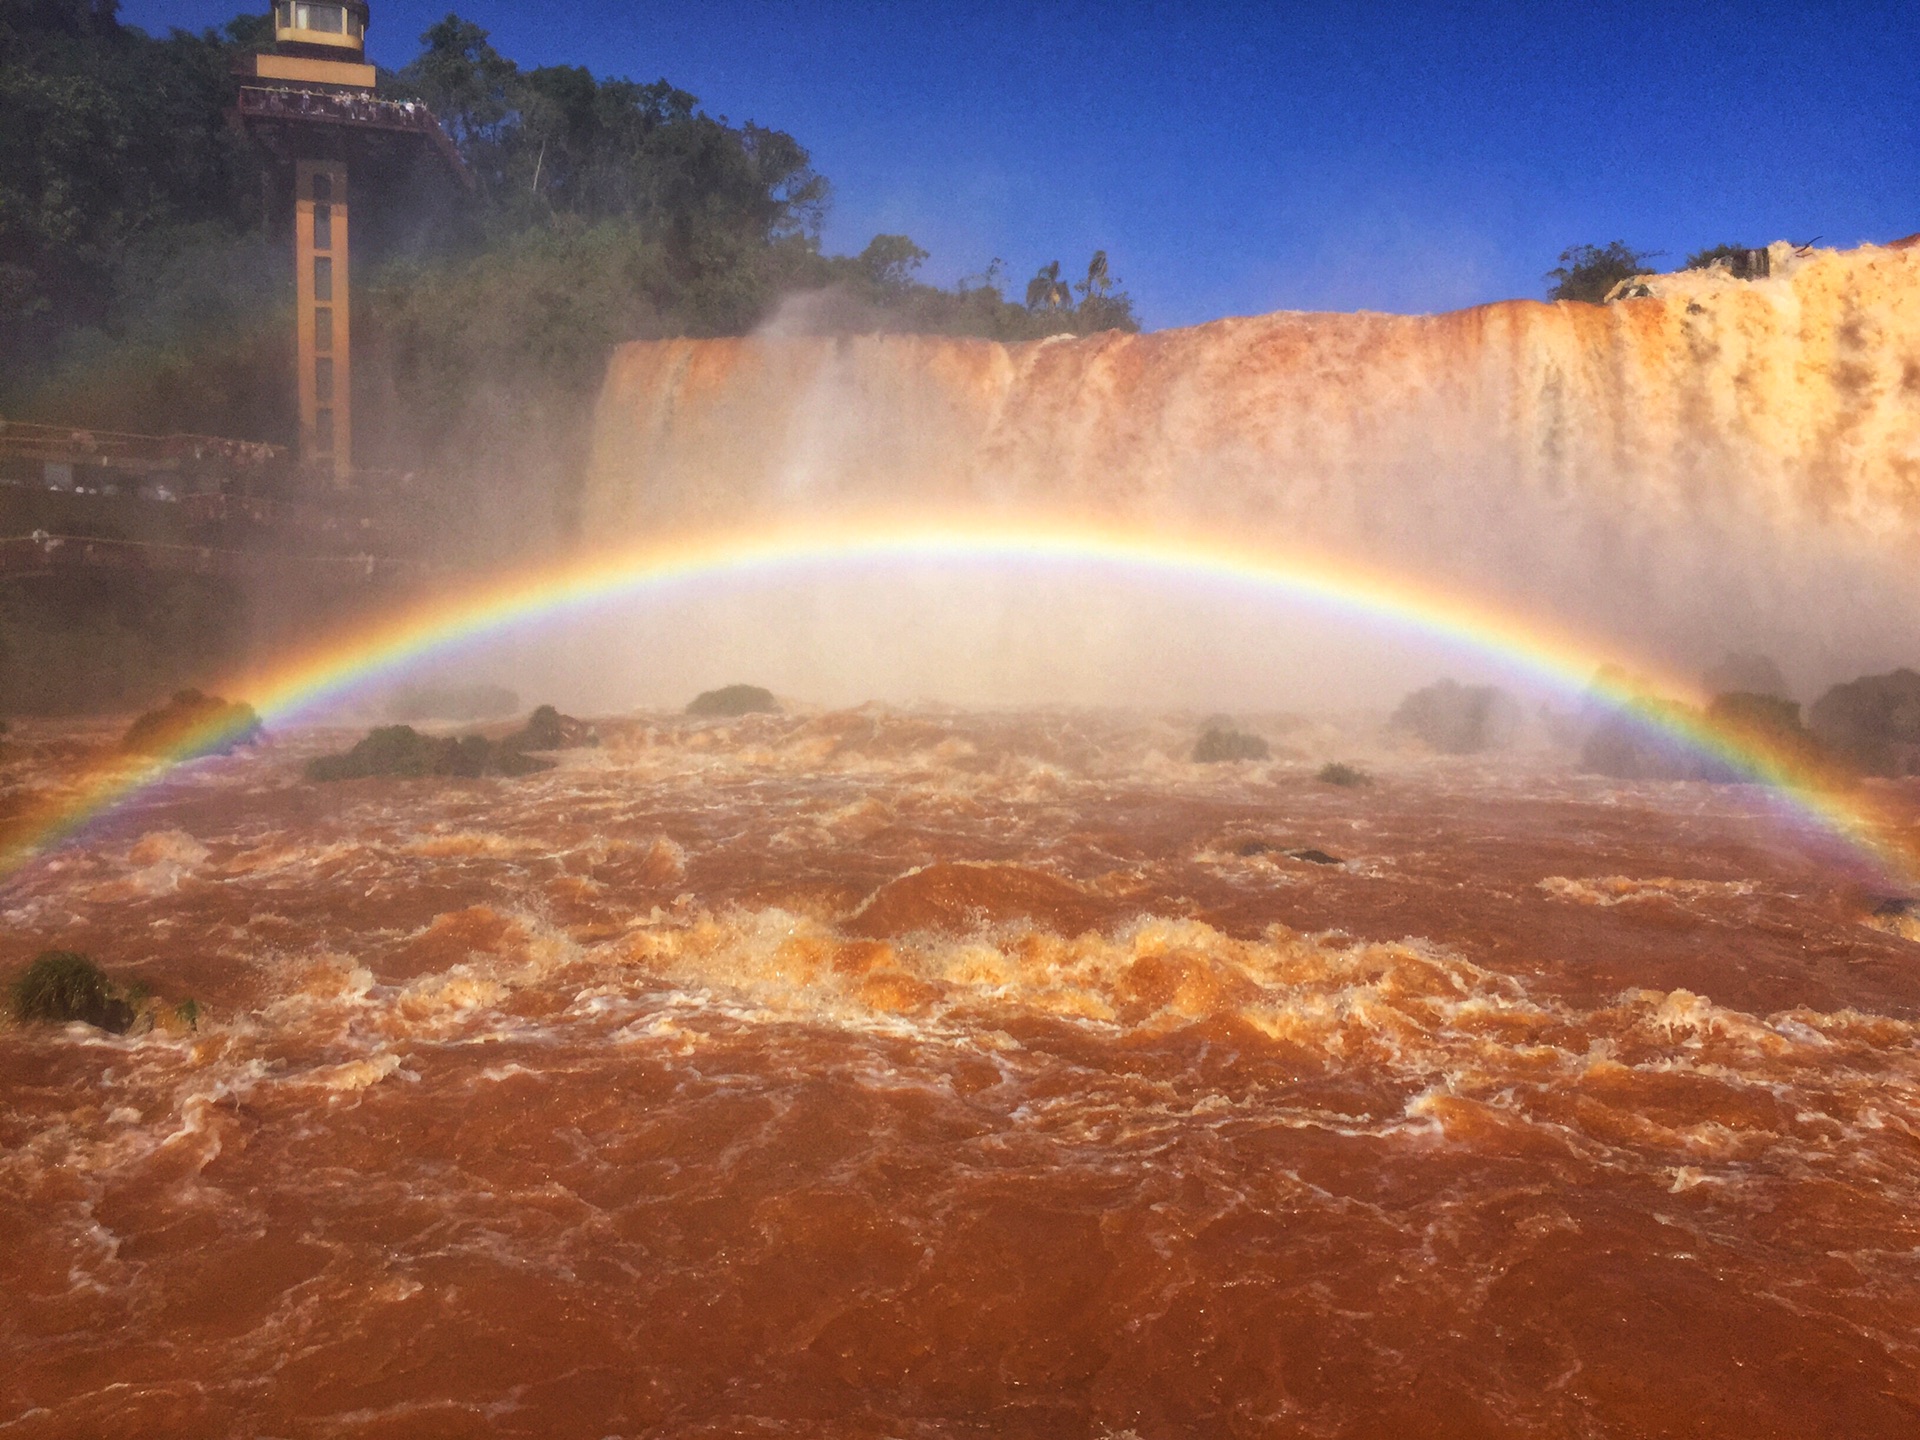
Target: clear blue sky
1234	159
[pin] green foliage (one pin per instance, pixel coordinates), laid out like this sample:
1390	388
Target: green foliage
144	275
1701	259
890	260
107	137
62	986
1587	272
734	700
1346	776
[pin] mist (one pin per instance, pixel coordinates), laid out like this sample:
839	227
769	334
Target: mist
1721	466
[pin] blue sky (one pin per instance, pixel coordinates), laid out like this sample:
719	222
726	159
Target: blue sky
1235	159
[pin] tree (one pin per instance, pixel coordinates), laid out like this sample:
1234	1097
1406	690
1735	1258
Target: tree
1588	272
1097	281
891	259
1047	291
1701	259
464	81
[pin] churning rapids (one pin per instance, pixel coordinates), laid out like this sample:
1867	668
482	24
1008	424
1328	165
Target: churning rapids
914	1072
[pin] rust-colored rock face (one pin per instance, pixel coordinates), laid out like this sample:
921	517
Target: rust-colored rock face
1723	449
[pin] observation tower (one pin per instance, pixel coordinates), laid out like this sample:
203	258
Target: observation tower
310	104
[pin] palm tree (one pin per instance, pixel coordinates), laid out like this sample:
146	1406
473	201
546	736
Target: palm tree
1047	291
1097	282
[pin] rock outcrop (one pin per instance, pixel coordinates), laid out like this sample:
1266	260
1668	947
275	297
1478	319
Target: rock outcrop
1873	721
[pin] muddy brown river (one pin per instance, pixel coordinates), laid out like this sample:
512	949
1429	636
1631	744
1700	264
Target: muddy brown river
915	1073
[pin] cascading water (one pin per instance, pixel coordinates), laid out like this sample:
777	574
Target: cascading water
1723	464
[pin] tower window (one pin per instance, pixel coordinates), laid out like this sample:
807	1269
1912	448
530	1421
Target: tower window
323	431
323	381
322	187
323	328
323	277
328	19
322	227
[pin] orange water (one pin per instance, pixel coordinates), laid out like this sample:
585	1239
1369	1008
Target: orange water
927	1074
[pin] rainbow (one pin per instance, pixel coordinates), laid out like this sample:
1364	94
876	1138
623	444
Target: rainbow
347	661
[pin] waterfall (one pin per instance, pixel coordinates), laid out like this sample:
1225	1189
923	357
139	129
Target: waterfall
1723	463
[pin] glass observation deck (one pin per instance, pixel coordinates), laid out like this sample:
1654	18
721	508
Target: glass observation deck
336	25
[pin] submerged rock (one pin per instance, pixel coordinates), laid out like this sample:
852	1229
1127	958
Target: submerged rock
194	723
731	700
1315	857
400	750
1220	745
959	896
1874	722
1458	719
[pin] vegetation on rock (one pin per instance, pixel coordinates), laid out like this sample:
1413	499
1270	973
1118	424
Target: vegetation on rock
730	700
195	724
1219	745
1347	776
400	750
62	986
1458	719
1587	272
548	729
1874	722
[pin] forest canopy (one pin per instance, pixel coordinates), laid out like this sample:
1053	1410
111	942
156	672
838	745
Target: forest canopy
145	271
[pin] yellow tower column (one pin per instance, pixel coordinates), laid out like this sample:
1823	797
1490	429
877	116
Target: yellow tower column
321	287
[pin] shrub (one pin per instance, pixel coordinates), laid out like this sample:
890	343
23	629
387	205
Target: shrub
1217	746
734	700
1588	272
1344	775
62	986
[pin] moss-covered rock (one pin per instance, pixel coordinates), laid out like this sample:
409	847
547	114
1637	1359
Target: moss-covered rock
194	724
62	986
731	700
